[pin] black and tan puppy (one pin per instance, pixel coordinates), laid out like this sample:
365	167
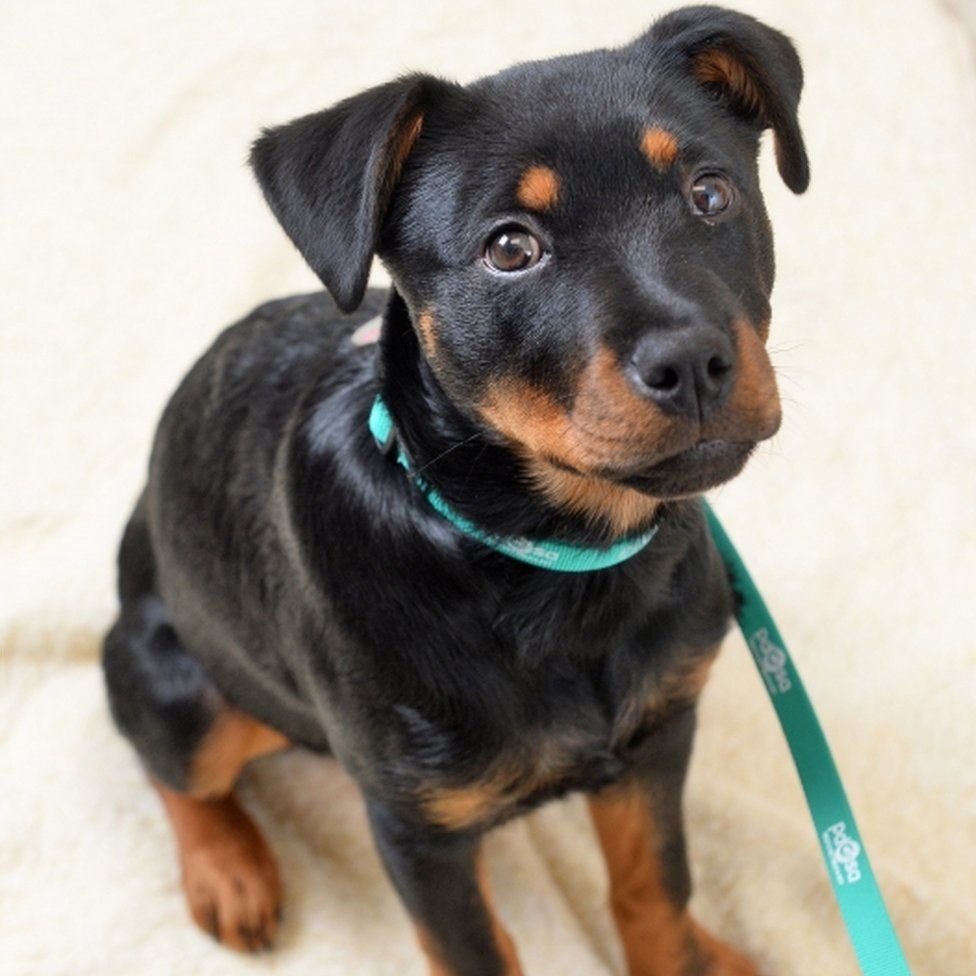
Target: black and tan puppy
573	349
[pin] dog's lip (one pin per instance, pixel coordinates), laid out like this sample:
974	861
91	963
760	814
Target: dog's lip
698	467
697	450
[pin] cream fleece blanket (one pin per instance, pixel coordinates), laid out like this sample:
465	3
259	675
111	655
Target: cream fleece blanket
133	232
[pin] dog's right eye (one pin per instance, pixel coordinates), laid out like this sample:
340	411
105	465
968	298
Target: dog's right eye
513	249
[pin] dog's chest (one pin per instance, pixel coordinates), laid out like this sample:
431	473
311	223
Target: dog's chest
583	747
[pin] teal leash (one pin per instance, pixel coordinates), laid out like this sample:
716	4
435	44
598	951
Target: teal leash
855	888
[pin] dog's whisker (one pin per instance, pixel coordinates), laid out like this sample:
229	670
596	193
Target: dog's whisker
453	447
474	463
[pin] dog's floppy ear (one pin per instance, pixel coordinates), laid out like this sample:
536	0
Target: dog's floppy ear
753	68
329	177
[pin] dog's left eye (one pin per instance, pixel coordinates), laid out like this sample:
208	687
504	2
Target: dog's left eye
513	249
710	194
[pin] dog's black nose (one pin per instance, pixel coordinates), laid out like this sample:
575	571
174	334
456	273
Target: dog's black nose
685	371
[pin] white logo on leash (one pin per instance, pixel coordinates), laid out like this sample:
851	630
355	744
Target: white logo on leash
526	547
771	660
842	852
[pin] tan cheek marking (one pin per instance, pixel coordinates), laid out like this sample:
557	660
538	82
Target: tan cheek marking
609	423
234	740
621	509
619	420
427	332
753	411
660	147
756	393
527	416
538	189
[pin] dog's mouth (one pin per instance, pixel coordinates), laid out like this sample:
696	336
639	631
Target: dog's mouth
695	469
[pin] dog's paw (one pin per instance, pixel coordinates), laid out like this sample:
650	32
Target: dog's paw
233	887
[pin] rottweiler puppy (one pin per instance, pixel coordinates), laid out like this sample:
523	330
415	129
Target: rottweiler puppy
573	350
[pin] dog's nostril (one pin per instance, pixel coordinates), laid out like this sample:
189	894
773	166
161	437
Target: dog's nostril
718	367
663	378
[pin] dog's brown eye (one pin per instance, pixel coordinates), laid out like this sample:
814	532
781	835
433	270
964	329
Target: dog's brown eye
711	194
513	249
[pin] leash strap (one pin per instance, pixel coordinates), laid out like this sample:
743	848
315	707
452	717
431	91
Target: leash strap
855	888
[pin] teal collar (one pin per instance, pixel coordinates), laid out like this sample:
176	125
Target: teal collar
559	556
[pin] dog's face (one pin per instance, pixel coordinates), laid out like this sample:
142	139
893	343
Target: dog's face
581	242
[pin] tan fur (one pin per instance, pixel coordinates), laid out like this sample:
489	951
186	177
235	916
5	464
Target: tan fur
530	417
716	66
609	428
513	777
660	147
427	332
229	876
538	189
460	807
753	410
659	939
681	686
615	419
599	501
653	932
608	425
233	741
399	145
673	692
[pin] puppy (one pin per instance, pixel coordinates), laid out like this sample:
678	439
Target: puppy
469	562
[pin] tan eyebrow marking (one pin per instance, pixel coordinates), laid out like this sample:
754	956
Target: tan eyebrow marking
538	189
660	147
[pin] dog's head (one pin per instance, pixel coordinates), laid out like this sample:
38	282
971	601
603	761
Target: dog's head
581	243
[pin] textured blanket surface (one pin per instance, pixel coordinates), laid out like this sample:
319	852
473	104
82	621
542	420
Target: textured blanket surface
132	232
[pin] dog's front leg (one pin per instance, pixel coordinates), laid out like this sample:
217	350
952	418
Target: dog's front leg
441	881
639	825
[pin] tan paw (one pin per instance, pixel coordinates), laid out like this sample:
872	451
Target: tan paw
233	887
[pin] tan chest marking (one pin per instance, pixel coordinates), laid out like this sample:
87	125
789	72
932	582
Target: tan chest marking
512	779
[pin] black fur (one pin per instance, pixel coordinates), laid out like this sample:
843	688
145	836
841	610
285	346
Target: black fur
280	562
